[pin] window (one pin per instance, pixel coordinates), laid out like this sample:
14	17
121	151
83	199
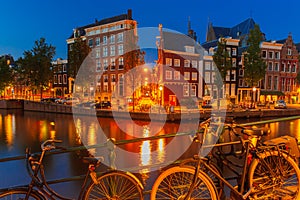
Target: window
207	65
232	75
121	84
121	63
277	55
269	82
104	52
105	64
294	68
169	61
270	54
189	49
186	75
186	63
275	87
194	76
98	66
91	43
64	67
229	51
168	75
193	90
97	53
97	41
276	67
112	39
113	77
65	79
185	90
233	62
104	39
120	49
234	52
120	37
55	79
177	62
59	79
112	50
270	66
194	63
207	77
282	67
264	54
240	82
112	64
176	75
289	51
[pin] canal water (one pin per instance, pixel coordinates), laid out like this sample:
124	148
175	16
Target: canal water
20	129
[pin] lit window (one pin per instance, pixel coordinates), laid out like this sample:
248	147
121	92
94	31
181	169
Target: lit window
186	63
185	90
168	75
169	61
176	75
177	62
186	75
194	76
193	90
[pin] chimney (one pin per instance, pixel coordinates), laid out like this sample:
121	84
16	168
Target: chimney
129	14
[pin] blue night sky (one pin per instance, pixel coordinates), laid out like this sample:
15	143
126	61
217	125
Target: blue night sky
23	22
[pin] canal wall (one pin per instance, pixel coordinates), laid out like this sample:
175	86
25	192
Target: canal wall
155	116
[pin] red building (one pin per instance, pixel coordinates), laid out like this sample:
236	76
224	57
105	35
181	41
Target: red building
178	67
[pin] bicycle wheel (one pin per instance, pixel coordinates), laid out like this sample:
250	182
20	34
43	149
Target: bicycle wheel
175	182
19	194
115	185
217	182
274	175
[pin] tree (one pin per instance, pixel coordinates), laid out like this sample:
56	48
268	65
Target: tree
36	64
255	66
223	62
133	57
5	74
79	50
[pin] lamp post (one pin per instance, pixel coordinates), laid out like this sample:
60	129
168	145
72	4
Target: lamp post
254	96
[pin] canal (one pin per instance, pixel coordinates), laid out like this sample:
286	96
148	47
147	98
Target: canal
20	129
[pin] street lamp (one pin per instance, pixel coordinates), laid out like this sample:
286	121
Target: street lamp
254	96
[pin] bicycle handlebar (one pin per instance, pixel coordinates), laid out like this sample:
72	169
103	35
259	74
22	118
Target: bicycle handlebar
49	144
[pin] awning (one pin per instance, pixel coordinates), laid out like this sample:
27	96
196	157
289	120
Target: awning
271	92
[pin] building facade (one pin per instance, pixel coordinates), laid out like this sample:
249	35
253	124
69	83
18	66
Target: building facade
108	40
60	85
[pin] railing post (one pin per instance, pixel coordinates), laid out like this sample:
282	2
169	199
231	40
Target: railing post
112	153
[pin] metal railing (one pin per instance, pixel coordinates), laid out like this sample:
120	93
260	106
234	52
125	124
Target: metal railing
122	142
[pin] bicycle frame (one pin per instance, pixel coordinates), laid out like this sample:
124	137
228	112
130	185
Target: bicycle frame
249	144
36	169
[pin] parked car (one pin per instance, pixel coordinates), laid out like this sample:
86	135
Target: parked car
49	100
280	104
71	101
103	104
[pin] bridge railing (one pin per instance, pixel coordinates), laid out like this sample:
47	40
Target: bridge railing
122	142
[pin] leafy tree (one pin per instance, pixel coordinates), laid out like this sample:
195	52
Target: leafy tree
5	74
255	66
36	65
79	50
133	57
223	62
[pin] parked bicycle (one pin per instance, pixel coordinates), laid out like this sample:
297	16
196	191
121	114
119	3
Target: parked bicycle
269	170
112	185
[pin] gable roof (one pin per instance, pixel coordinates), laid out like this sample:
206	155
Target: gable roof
177	42
104	21
243	28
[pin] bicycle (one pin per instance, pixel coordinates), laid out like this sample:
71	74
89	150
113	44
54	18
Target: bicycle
269	171
112	185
